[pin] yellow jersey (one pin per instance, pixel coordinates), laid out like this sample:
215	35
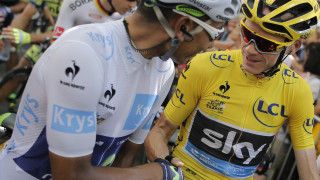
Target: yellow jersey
228	117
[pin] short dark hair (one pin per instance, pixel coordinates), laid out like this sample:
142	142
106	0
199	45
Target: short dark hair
312	63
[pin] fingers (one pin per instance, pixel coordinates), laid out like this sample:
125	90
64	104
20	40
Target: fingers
8	34
177	162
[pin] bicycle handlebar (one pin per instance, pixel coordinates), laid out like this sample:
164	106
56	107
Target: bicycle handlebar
7	120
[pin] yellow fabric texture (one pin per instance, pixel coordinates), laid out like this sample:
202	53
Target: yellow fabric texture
228	117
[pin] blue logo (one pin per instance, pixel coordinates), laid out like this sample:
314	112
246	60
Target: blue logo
129	54
178	95
217	59
72	121
308	125
263	112
27	115
164	66
289	73
139	111
105	41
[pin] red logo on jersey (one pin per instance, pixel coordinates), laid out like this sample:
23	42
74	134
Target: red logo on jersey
95	16
58	31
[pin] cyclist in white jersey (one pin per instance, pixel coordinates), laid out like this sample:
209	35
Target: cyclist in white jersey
101	84
75	12
71	13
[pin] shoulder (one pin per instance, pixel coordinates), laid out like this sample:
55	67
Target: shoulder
289	76
95	32
76	5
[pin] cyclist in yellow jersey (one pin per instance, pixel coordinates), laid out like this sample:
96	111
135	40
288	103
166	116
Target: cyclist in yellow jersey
230	104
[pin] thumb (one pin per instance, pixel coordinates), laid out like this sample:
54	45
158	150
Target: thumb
177	162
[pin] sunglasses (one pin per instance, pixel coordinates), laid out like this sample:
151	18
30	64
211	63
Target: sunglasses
213	32
262	44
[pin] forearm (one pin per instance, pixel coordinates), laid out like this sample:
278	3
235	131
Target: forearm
306	163
156	143
36	38
156	146
20	22
151	171
23	19
127	154
18	7
80	168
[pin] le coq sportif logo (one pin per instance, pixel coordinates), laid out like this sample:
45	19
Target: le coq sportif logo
224	88
72	71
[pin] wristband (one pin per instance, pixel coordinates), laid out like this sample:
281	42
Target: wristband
169	158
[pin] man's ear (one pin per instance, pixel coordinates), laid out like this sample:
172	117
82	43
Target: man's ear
182	26
296	45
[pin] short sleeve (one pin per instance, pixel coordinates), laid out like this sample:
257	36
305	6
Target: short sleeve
73	77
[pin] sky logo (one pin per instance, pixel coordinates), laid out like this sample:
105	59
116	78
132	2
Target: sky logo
140	109
72	121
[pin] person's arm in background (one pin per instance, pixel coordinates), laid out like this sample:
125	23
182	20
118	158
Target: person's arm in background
17	8
23	19
49	15
17	36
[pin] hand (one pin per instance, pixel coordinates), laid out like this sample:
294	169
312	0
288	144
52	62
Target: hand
169	170
175	161
15	35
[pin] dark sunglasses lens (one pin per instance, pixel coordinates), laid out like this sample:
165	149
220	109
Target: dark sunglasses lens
246	34
263	45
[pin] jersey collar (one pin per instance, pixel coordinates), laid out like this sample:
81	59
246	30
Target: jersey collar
102	9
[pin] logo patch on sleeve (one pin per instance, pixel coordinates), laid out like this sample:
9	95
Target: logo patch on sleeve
72	121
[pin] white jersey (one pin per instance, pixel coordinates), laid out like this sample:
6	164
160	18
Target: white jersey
78	12
88	93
